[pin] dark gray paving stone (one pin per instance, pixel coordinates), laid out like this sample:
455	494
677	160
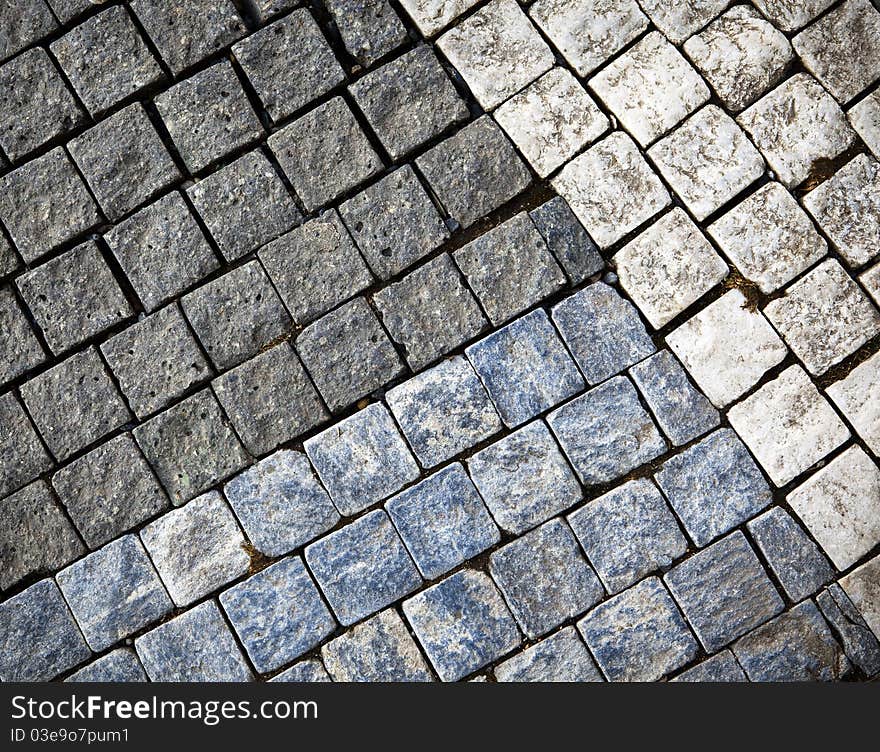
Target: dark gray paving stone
348	354
21	349
370	29
119	666
280	503
124	161
278	614
409	101
35	535
37	106
847	624
681	410
394	222
567	239
525	368
723	591
74	403
208	116
362	459
263	10
23	22
714	485
627	533
191	446
324	153
475	171
244	205
289	64
8	259
378	650
443	521
22	455
109	490
603	331
237	315
309	670
114	592
38	636
45	203
443	411
106	60
561	657
362	567
721	667
430	312
162	250
196	646
67	10
638	635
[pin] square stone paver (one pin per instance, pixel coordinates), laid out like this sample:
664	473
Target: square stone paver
721	667
848	625
309	670
561	657
24	23
681	18
68	10
861	586
369	30
856	397
567	239
21	349
120	666
22	455
865	119
432	16
790	15
871	282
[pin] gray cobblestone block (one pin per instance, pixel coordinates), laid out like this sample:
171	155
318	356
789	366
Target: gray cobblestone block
606	432
278	614
325	153
678	20
790	16
45	203
280	503
627	533
35	535
462	623
443	411
74	403
237	315
861	587
22	455
443	521
8	259
74	297
545	578
37	105
430	312
119	666
567	239
24	23
432	16
21	349
309	670
106	60
525	368
124	161
798	563
67	10
38	637
681	410
196	646
638	635
348	354
109	490
208	116
162	250
191	446
185	33
723	591
721	667
561	657
316	267
263	10
362	567
362	459
475	171
394	222
379	650
196	548
370	29
859	643
289	64
114	592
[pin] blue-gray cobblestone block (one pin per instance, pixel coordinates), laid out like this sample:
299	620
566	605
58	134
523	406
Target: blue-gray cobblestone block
567	239
859	642
561	657
798	563
24	23
362	459
370	29
714	485
525	368
724	591
278	614
22	455
38	637
628	533
21	349
196	646
462	623
280	503
545	578
639	634
443	521
309	670
721	667
796	646
602	330
119	666
606	432
378	650
681	410
114	592
362	567
66	10
443	411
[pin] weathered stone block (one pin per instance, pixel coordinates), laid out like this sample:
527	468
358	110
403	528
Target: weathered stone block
561	657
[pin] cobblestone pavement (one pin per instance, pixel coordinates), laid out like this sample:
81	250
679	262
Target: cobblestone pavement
439	340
